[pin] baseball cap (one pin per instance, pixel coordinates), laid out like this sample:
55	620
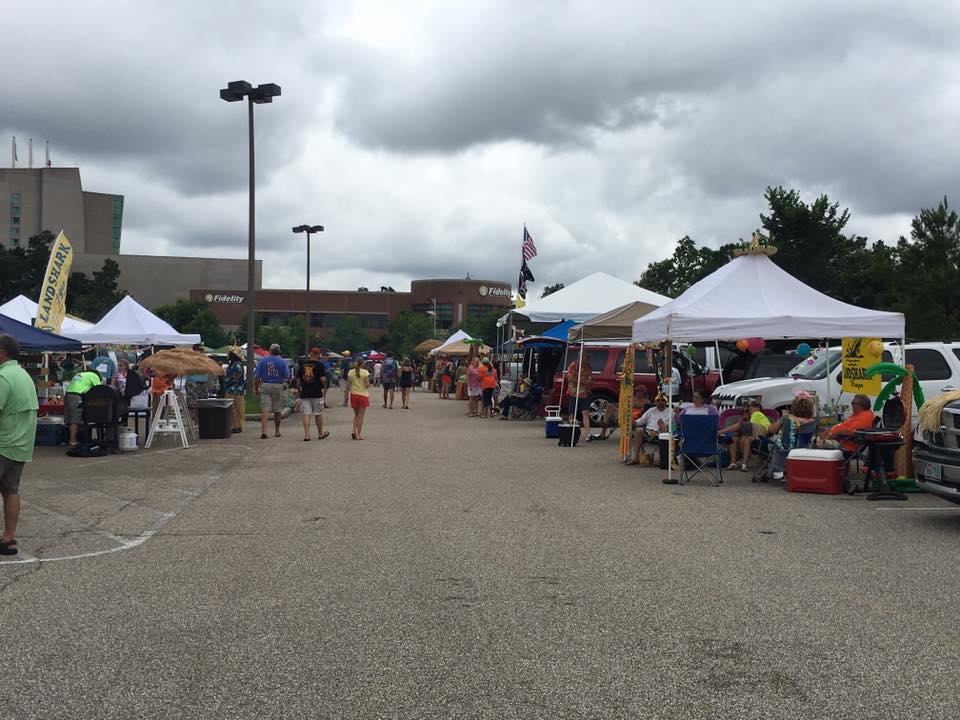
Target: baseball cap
315	350
274	346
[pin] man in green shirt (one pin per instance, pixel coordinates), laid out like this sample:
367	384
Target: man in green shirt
18	430
81	382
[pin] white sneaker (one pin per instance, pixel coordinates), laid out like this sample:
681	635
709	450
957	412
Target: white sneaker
778	476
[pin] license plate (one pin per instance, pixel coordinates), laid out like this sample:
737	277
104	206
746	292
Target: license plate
934	471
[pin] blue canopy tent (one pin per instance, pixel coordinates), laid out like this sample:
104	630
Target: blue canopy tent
550	338
33	340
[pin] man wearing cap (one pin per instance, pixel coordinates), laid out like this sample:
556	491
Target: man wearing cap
18	430
78	387
649	427
270	379
234	387
311	381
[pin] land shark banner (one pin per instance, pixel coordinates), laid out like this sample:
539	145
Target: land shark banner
52	305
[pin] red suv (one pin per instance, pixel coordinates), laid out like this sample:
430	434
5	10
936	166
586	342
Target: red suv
607	364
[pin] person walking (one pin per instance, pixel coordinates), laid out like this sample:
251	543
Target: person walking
234	388
377	370
18	432
446	377
406	382
331	374
488	384
473	388
270	380
359	379
344	382
389	380
311	379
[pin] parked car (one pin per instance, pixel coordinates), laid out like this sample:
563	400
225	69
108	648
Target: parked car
751	366
606	362
937	366
936	458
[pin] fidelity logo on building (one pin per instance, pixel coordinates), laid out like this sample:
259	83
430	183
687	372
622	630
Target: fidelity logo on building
225	299
494	292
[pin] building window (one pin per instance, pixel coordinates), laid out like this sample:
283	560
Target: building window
444	313
117	221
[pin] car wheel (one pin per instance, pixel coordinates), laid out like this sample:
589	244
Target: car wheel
598	407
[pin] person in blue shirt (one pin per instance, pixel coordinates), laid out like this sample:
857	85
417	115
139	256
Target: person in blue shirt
270	380
345	366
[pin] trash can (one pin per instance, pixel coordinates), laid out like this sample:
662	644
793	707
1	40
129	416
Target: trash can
215	419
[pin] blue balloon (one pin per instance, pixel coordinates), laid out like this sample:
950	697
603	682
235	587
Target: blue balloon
803	349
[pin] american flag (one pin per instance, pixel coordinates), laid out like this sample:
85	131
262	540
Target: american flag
529	249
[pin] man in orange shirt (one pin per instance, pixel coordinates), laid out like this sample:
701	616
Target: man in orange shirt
861	419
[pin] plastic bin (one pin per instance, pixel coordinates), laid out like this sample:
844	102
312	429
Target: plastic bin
815	471
551	426
51	432
215	419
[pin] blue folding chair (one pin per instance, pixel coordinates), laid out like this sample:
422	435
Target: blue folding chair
700	448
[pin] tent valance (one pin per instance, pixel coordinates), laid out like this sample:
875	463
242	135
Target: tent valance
751	296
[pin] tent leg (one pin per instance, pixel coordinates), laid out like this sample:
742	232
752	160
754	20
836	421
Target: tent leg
716	350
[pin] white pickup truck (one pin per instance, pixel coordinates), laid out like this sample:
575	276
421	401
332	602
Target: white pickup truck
936	364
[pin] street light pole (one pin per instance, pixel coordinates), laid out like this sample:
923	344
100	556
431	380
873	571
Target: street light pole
234	92
308	229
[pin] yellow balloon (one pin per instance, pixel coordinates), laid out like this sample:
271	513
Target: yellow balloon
875	348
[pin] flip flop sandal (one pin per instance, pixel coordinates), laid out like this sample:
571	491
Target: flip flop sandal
8	547
306	439
325	435
263	436
353	435
276	434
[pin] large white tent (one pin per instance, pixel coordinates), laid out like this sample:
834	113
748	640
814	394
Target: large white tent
129	323
457	337
24	309
588	297
753	297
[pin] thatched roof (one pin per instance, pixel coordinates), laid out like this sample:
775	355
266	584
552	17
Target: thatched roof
181	361
427	345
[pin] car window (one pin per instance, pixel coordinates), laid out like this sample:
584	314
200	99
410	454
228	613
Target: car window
640	364
956	353
597	357
774	365
928	364
619	367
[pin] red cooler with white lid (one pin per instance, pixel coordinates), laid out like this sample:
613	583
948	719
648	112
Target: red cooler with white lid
815	471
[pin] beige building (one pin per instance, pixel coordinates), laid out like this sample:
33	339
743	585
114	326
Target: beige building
52	199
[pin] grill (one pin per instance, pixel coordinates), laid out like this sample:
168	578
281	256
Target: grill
956	421
881	443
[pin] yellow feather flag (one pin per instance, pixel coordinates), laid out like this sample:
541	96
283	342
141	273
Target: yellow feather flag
52	305
520	302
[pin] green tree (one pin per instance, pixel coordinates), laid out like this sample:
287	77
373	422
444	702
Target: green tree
551	289
91	298
22	268
687	265
349	335
405	332
929	273
193	316
482	326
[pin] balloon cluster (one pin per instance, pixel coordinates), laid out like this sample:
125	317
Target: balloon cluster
803	349
753	345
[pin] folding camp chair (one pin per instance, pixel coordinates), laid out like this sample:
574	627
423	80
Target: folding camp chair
699	447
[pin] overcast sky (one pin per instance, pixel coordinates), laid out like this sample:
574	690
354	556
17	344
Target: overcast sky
424	134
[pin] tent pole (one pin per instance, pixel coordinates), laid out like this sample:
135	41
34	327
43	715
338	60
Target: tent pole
576	400
668	370
716	350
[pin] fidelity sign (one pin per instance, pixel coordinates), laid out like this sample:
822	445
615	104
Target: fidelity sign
494	291
225	299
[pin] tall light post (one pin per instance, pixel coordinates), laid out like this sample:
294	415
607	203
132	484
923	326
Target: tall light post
308	229
434	301
233	92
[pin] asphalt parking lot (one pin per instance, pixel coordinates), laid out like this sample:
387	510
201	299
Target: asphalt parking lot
449	567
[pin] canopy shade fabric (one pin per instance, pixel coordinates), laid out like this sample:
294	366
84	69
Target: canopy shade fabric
129	323
616	324
427	345
32	339
551	337
588	297
24	309
462	348
455	338
751	296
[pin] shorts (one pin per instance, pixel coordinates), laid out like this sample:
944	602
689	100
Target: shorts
488	397
473	392
572	401
751	430
10	472
311	406
359	401
388	385
273	397
71	409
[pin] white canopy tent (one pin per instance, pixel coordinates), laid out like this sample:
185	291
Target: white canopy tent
588	297
751	296
457	337
24	309
129	323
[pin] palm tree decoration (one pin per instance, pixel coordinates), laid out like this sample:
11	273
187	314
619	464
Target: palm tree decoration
897	373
